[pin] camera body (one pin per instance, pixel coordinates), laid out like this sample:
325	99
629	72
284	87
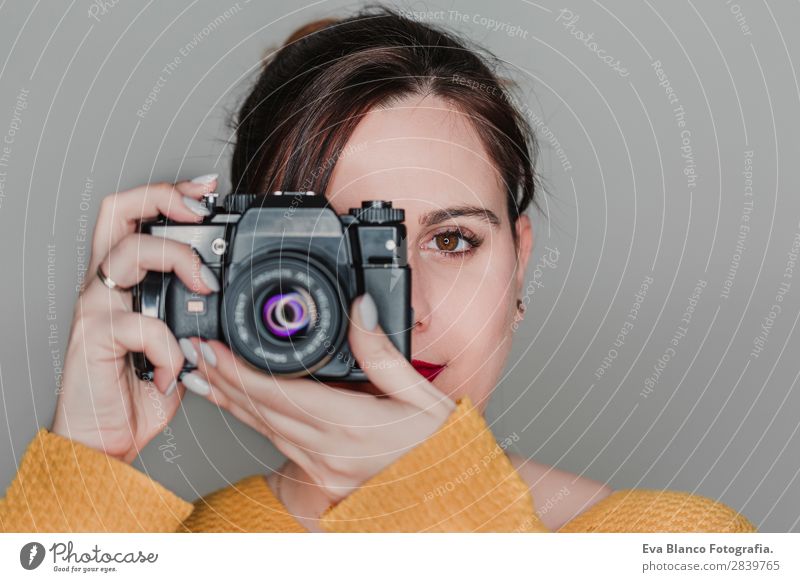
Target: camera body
289	268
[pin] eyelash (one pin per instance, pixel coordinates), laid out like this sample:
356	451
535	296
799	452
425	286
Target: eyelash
469	238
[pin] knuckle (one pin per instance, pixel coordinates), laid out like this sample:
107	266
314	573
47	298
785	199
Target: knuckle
108	199
129	244
163	188
351	432
162	185
223	401
267	400
153	327
107	203
182	251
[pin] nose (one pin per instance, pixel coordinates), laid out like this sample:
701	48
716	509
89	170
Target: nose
420	303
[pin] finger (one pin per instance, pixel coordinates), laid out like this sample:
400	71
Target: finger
296	398
133	332
273	423
136	254
384	365
254	413
119	212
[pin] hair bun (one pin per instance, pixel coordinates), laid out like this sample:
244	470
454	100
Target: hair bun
303	31
309	28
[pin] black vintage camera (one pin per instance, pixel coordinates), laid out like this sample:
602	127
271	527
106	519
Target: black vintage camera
289	268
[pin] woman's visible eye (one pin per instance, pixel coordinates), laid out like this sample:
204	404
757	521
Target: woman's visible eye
453	243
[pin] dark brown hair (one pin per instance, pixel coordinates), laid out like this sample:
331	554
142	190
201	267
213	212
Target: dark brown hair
314	90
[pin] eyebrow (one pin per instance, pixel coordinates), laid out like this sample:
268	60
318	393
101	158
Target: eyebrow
437	216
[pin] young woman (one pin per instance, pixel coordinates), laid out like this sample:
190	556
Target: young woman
372	106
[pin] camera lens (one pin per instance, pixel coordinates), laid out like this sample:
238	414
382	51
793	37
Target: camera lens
286	315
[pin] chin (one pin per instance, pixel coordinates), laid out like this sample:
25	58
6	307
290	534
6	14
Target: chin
478	394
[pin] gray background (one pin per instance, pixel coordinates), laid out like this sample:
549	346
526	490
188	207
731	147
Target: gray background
720	422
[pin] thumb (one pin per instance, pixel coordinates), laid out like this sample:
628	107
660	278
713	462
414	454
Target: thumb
382	362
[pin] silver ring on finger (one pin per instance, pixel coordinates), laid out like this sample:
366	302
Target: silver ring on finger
108	281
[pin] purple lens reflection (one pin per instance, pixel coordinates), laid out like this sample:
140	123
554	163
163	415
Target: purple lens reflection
285	314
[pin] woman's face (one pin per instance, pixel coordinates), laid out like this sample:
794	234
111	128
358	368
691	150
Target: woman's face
425	157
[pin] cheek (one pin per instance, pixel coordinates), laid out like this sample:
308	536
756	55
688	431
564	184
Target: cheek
477	333
483	285
492	292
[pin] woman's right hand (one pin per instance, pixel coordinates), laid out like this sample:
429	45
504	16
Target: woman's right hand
102	403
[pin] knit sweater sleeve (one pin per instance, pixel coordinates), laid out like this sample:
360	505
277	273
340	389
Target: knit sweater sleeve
457	480
653	510
65	486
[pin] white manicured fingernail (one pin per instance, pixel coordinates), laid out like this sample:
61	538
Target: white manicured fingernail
368	312
188	350
171	388
205	179
196	206
196	384
209	278
208	354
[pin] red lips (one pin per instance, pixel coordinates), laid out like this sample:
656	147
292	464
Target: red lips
430	371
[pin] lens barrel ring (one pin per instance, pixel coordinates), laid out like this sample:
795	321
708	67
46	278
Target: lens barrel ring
249	335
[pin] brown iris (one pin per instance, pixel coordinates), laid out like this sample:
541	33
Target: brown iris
447	241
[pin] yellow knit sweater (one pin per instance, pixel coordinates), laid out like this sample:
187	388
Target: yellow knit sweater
458	480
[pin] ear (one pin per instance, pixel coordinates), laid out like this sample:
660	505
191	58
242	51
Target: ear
524	247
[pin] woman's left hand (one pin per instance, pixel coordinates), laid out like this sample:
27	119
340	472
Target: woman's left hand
339	437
